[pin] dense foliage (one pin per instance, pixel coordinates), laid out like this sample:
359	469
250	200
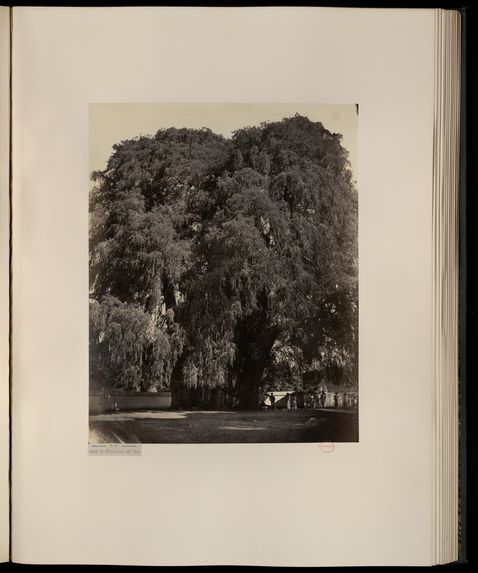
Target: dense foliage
224	264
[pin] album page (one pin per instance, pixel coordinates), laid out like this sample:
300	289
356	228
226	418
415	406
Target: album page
222	276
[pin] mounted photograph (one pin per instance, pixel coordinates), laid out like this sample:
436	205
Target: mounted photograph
223	265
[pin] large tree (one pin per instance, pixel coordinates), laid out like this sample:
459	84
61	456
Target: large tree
241	254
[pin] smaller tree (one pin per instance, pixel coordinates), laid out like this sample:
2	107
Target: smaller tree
133	350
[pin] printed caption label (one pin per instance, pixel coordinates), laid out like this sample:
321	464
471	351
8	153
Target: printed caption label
115	449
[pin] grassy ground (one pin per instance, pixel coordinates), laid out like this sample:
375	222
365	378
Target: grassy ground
192	427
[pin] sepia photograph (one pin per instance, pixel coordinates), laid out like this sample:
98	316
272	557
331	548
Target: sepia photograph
223	273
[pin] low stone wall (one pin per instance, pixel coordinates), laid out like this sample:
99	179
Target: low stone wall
118	401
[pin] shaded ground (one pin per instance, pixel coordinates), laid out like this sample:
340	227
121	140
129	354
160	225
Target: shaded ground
192	427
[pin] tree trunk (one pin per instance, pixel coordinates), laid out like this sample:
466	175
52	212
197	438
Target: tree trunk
255	338
250	386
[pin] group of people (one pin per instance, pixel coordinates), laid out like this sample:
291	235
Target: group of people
320	399
291	401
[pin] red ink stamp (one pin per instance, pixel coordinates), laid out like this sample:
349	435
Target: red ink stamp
327	447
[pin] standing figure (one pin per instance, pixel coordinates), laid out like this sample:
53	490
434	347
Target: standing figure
323	399
294	402
273	401
336	400
287	401
345	401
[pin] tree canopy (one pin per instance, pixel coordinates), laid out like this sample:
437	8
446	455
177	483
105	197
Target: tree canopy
224	263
